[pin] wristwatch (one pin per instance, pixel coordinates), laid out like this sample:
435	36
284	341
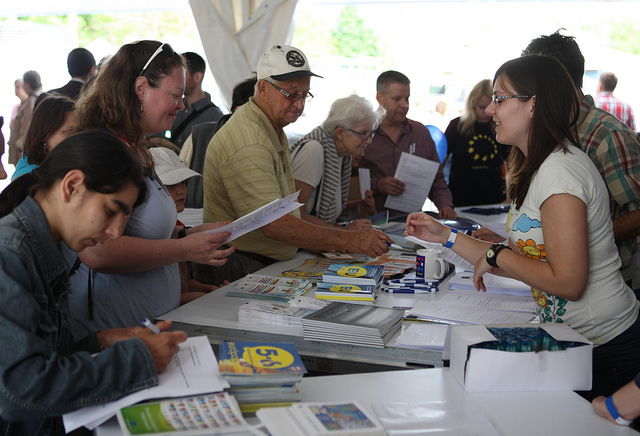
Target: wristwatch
492	254
183	232
614	412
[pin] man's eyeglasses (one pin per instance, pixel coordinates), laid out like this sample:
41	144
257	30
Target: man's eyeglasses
166	48
292	97
365	136
498	98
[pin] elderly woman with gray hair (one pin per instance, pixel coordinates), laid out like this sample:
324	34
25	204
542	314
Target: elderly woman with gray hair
321	160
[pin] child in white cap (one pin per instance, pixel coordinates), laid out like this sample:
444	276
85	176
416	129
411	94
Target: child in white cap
173	173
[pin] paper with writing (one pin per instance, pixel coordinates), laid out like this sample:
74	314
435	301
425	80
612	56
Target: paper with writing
418	174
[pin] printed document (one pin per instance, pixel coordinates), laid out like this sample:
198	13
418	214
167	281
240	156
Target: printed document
418	174
259	217
364	175
194	370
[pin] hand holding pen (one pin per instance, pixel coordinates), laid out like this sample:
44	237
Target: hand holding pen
162	344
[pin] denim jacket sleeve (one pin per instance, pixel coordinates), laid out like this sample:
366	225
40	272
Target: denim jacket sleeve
37	380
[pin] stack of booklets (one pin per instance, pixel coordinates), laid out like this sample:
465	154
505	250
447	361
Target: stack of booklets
269	288
350	283
288	313
261	374
316	419
353	324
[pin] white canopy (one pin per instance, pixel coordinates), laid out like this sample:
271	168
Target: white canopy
235	34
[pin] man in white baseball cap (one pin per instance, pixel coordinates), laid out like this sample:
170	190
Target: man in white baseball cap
247	166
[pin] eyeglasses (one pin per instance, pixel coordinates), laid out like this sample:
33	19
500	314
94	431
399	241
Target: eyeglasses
362	135
292	97
496	98
164	48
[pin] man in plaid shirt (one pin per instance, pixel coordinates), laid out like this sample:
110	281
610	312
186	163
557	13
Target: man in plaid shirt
606	101
612	146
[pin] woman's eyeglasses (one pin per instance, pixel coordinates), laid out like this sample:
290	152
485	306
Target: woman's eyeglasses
365	136
498	98
164	48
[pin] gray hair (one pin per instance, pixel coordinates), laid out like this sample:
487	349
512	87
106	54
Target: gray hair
349	111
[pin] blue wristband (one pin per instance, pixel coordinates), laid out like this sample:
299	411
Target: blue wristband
452	238
614	412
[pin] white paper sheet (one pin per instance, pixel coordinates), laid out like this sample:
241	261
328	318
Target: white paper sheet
441	311
418	174
194	370
491	301
452	418
364	175
259	217
425	336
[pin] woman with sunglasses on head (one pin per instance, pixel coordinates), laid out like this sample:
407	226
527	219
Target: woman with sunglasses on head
137	92
53	121
321	160
476	157
560	231
79	195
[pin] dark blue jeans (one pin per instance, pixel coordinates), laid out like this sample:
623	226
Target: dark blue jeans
615	363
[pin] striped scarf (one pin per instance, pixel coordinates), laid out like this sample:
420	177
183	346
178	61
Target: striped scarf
334	177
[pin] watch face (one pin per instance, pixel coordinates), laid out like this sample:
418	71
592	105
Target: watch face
490	253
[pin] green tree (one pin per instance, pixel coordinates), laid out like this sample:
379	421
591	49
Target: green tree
625	36
351	37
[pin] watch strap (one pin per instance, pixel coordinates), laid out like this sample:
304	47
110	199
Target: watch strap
614	412
495	248
452	238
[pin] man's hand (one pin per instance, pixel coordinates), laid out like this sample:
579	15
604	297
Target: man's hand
359	224
371	242
109	337
390	186
447	213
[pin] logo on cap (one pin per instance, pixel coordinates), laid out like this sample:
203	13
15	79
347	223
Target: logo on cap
295	59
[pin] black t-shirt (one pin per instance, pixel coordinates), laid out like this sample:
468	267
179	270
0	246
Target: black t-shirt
476	165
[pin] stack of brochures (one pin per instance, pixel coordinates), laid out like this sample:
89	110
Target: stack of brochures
353	324
269	288
196	415
288	313
315	419
363	294
261	374
350	283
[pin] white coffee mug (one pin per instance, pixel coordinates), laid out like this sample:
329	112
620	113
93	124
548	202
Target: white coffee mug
430	264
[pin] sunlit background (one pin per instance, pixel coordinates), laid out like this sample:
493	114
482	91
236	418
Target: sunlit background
444	47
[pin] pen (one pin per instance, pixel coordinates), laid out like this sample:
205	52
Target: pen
397	247
151	326
410	291
411	281
416	286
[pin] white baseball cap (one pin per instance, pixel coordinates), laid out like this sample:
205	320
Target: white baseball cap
283	62
170	167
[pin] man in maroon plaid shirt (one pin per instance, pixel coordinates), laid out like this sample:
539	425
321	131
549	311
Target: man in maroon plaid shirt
606	101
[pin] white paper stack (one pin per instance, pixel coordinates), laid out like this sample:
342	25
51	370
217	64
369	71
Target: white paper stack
284	314
493	283
423	336
353	324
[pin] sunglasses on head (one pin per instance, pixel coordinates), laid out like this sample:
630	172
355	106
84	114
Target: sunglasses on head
164	48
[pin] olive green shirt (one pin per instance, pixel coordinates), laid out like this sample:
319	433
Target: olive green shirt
246	167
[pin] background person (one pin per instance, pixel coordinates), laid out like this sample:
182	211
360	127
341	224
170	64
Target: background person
560	233
138	91
79	196
198	107
321	159
398	134
606	101
82	67
477	158
32	85
53	121
174	175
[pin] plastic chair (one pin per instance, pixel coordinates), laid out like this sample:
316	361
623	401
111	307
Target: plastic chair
440	140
